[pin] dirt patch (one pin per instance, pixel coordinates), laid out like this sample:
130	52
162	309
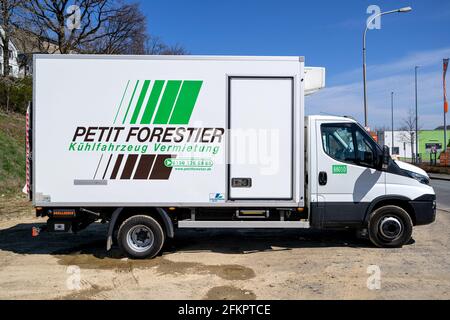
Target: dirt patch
16	206
227	272
85	294
85	261
223	264
162	266
229	293
231	272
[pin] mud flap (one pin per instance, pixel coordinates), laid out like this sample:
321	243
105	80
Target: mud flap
112	223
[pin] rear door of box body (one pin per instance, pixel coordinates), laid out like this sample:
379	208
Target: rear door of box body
261	111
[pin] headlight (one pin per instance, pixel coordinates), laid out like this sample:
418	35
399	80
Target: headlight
421	178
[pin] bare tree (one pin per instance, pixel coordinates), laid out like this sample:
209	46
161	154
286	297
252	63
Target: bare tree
123	33
89	26
7	19
72	27
408	131
176	49
155	46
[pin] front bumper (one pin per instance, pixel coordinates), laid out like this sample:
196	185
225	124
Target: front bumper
424	209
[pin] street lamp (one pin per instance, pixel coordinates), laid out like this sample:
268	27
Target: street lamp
401	10
416	159
392	118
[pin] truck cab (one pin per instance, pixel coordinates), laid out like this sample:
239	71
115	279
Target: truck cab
353	183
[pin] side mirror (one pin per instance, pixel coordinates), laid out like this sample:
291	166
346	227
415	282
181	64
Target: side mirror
386	157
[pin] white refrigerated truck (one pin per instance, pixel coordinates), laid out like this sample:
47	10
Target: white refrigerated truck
151	144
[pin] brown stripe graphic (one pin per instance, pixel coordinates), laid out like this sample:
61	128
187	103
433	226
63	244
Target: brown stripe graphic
129	166
107	166
160	171
117	166
98	166
144	166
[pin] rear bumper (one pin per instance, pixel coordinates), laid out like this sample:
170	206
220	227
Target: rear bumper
424	209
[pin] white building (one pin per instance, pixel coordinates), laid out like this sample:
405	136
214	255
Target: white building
13	57
402	143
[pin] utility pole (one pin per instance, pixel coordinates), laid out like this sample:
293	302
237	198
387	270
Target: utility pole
445	106
401	10
416	158
392	118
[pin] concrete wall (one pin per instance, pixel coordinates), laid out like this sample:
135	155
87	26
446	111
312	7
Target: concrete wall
401	141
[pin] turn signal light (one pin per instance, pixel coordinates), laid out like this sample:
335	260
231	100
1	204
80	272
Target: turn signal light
35	232
63	213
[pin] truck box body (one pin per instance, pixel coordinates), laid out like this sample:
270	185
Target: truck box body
168	131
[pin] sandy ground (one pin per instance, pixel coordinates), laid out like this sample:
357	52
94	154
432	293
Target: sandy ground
219	264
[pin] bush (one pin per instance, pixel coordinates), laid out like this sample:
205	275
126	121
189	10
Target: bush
15	94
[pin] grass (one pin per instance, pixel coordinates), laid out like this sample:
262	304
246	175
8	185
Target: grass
12	153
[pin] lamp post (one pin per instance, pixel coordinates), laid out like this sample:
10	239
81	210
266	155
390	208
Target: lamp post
445	107
392	118
401	10
416	158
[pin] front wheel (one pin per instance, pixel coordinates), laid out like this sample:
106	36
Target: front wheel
141	237
390	227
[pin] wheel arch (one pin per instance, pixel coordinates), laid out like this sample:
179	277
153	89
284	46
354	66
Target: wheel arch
121	214
396	200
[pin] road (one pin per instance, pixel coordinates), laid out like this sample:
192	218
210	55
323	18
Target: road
442	189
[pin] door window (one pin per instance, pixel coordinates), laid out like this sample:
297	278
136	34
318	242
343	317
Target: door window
348	143
338	143
365	154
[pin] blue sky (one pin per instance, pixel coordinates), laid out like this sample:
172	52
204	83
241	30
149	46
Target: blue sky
329	34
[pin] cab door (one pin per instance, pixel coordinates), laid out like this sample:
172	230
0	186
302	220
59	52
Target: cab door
347	174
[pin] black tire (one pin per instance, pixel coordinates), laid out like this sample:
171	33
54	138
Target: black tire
140	237
390	227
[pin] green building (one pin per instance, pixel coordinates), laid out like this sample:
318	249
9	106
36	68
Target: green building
429	138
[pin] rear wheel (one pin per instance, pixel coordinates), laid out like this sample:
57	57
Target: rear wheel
141	237
390	227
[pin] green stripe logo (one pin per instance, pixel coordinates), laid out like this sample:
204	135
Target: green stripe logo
185	103
152	102
131	100
167	102
161	101
140	101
